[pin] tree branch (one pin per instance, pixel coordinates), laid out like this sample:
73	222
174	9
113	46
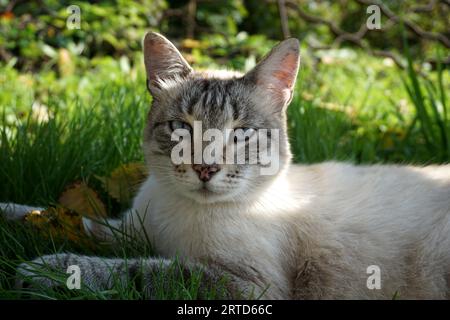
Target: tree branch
410	25
357	37
284	18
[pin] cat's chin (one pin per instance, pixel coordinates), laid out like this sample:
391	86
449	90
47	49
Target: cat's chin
208	196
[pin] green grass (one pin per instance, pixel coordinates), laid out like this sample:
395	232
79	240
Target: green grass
359	112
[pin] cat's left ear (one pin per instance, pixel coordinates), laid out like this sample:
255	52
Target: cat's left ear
275	75
163	61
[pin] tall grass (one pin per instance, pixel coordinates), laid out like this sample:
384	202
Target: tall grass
430	102
38	160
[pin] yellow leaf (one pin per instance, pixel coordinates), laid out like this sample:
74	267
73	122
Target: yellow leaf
83	200
190	43
124	181
57	223
66	65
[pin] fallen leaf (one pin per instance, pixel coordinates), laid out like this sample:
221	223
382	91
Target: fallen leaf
124	181
83	200
190	43
57	222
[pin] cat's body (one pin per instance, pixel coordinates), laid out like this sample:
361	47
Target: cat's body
327	223
307	232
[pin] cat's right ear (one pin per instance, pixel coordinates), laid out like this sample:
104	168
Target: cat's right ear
163	61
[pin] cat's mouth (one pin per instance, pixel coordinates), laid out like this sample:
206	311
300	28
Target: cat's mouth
205	190
202	194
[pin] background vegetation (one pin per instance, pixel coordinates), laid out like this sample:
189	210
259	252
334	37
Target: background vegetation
73	101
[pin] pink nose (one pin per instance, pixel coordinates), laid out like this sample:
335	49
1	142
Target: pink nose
205	171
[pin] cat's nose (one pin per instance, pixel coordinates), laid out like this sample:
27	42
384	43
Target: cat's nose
205	171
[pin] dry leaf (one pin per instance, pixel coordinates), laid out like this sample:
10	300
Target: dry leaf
124	181
83	200
66	65
57	223
191	44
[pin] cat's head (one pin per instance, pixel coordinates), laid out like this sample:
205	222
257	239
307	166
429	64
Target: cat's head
220	100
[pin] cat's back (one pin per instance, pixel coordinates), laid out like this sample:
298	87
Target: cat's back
376	194
394	217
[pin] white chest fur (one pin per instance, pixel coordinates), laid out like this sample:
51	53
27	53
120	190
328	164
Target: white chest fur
229	233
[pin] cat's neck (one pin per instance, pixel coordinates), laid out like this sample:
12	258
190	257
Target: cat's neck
178	225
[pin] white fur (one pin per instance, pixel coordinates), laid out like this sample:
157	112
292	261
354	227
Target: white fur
395	217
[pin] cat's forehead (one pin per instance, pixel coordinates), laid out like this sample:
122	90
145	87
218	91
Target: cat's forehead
214	101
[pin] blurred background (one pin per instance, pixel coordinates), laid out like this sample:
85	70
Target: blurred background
36	33
373	85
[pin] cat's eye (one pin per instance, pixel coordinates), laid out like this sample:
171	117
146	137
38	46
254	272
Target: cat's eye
243	134
176	124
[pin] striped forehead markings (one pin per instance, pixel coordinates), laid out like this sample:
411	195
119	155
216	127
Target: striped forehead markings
207	94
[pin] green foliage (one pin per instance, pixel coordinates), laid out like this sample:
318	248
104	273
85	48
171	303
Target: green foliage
34	31
240	52
34	34
221	16
72	142
430	102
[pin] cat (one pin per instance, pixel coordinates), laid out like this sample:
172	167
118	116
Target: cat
320	231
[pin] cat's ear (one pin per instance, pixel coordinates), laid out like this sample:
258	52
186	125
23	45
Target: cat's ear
275	75
163	61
